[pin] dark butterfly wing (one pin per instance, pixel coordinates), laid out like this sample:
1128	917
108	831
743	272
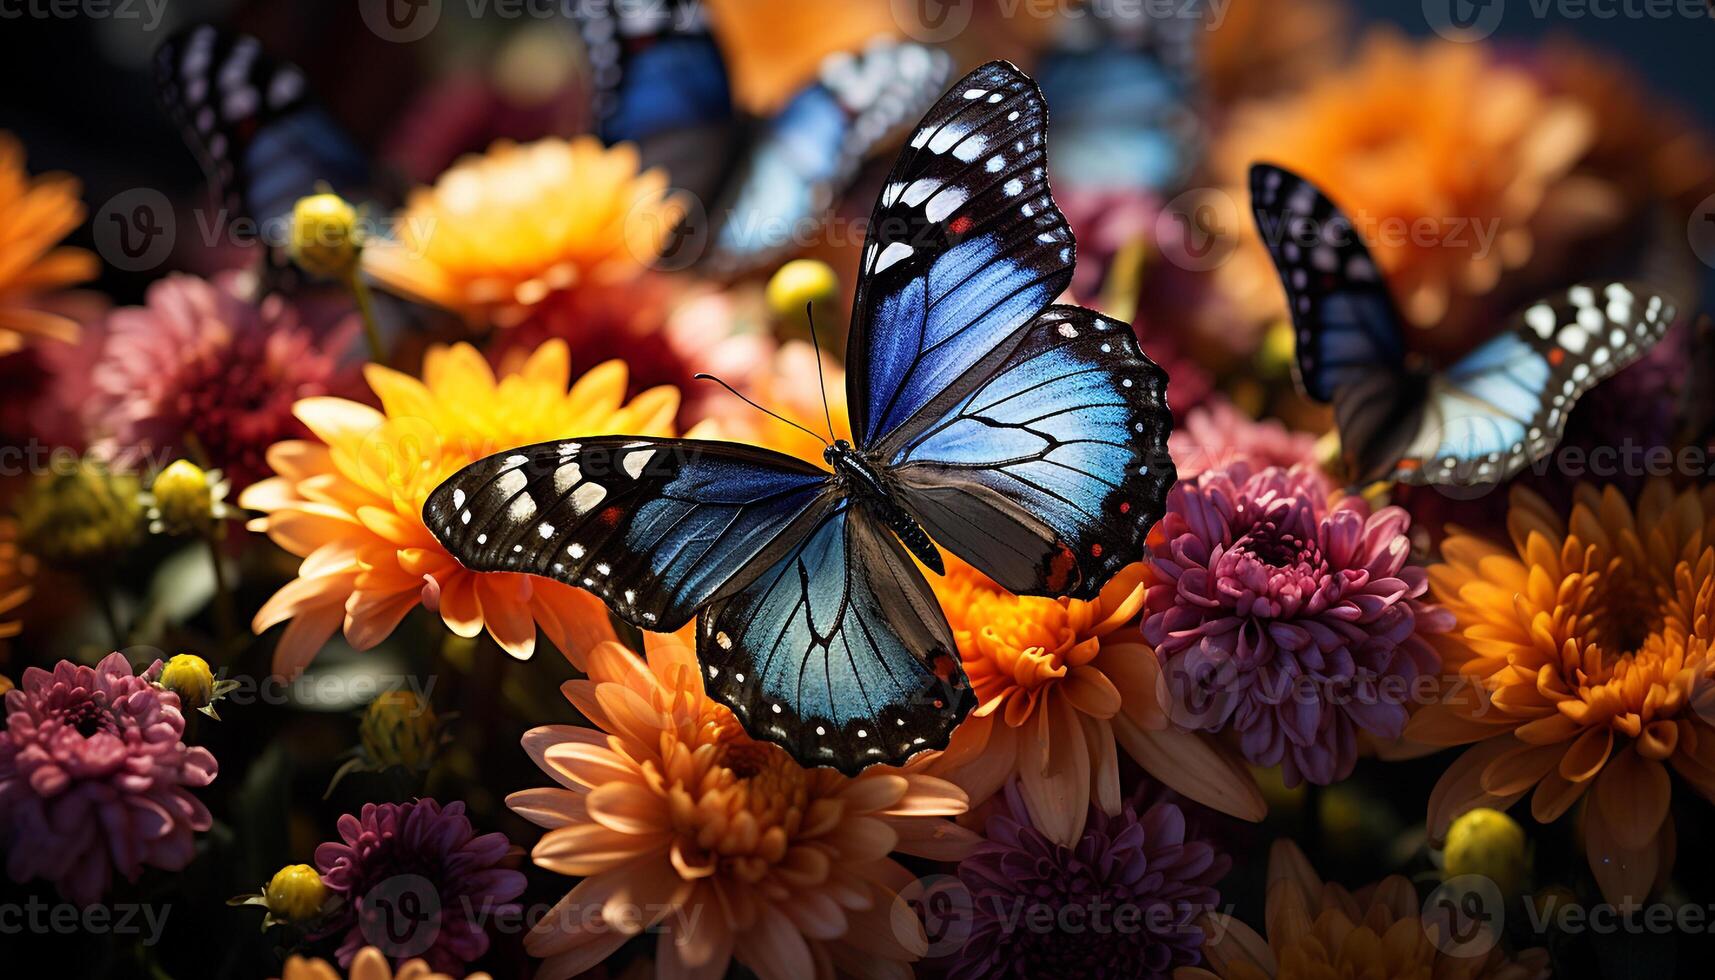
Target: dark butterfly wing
808	155
660	82
964	247
1047	470
1504	405
838	650
655	527
1124	96
1346	324
261	137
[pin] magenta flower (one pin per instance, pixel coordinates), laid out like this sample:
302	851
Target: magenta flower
94	777
418	883
1295	623
1124	902
202	365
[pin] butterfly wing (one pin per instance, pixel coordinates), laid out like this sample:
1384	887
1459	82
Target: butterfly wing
808	155
1124	94
1504	405
1048	468
1345	322
261	137
660	82
655	527
838	650
964	247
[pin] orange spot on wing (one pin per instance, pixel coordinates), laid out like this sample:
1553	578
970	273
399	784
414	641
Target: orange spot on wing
1555	356
959	225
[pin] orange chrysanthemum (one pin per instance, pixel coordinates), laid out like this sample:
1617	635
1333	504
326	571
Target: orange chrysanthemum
369	964
16	570
351	502
35	213
501	232
774	47
1060	685
679	822
1322	931
1443	158
1590	640
1263	48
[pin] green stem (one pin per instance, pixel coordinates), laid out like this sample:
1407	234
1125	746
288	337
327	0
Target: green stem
110	613
223	609
366	309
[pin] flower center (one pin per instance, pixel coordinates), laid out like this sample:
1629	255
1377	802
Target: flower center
88	718
1266	543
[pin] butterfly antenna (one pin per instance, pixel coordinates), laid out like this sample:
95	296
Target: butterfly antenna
734	391
820	379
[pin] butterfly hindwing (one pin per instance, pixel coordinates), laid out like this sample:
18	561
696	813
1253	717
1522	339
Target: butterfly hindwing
261	137
655	527
1048	471
809	153
1345	321
1504	405
838	650
965	246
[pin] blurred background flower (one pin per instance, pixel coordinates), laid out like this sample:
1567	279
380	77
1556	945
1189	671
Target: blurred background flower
368	964
499	233
1589	637
350	501
1129	895
729	848
1293	622
95	778
17	569
35	214
1218	435
82	516
391	854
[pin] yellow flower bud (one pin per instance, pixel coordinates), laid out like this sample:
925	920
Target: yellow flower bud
399	729
295	893
5	685
189	676
1489	843
798	284
1279	347
326	240
186	499
83	515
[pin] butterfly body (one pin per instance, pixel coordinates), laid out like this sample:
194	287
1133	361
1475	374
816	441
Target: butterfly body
1477	421
1026	438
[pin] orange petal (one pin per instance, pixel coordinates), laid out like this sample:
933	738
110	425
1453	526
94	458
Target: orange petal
1633	794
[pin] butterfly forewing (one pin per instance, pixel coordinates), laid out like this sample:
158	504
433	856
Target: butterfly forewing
964	246
838	650
655	527
1344	319
1504	405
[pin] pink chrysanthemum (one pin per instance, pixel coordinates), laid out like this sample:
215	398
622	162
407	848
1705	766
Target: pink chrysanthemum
94	778
1216	435
1294	622
399	857
201	366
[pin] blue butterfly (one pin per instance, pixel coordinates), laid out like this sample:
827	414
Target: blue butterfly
1028	439
1125	93
1490	414
261	137
660	82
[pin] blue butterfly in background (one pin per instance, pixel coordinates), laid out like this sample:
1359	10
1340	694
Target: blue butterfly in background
1125	92
1028	439
260	135
660	82
1480	421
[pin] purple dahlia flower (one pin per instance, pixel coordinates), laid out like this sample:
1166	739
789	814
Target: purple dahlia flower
1295	623
1124	902
418	883
95	777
